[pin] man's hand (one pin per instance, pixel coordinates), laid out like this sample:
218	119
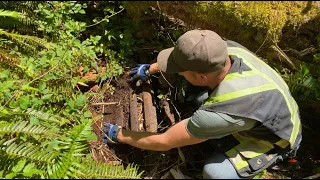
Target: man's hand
140	73
176	136
110	133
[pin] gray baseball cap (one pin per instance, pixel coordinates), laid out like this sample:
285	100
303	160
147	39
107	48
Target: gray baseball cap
196	50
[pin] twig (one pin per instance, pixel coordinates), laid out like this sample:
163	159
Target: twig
176	174
109	103
283	55
165	176
176	110
171	39
158	5
183	158
152	172
10	99
105	18
262	43
166	80
166	168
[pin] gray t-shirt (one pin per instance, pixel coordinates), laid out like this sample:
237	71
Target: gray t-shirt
213	125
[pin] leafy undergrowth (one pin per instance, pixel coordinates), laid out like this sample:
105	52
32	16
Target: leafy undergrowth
45	122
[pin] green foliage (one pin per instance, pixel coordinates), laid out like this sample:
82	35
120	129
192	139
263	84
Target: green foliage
15	15
302	84
243	21
45	122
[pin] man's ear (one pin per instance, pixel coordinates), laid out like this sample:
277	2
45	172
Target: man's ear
203	77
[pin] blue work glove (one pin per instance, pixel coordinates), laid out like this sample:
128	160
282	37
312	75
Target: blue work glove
110	133
140	74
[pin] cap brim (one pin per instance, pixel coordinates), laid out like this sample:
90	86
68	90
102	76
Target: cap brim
166	62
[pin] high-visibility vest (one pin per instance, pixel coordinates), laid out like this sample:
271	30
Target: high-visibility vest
252	89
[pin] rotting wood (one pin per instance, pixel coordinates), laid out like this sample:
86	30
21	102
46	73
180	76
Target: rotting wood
140	113
150	115
120	121
166	107
134	123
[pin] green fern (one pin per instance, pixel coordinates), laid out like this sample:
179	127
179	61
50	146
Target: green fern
22	127
29	151
45	116
302	83
31	42
15	15
298	85
100	170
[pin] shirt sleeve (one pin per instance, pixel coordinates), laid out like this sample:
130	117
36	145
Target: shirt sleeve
213	125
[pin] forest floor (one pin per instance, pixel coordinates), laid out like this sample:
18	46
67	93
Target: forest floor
191	159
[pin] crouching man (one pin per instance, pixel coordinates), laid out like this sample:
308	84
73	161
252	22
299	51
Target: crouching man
249	107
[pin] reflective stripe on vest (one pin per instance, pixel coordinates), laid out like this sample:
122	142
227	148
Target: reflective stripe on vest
262	78
281	86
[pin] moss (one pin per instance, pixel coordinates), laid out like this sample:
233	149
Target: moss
242	21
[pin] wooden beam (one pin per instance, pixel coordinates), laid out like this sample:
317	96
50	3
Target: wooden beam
150	115
120	120
134	124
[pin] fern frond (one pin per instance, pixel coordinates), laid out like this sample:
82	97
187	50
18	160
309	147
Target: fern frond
22	127
26	40
108	171
297	84
15	15
29	151
65	166
74	141
45	116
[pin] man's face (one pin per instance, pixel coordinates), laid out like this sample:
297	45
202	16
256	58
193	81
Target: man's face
193	77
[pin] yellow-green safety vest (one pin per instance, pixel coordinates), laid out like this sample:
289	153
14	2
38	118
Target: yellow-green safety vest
252	89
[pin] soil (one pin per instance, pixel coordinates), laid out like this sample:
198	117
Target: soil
157	164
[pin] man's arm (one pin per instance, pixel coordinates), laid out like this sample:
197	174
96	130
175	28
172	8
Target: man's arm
176	136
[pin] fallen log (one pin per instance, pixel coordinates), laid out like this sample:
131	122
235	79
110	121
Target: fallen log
134	123
150	115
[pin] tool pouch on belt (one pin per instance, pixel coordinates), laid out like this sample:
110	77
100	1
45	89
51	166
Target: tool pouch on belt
252	156
259	163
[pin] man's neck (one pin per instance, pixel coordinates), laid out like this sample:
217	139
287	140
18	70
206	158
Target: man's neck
218	78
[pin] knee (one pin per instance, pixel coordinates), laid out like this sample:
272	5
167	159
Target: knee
219	167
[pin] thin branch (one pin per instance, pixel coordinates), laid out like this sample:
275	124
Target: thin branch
158	5
176	110
262	43
313	176
109	103
171	39
106	18
166	80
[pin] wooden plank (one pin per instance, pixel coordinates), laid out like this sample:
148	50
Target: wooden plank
120	119
134	124
150	115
